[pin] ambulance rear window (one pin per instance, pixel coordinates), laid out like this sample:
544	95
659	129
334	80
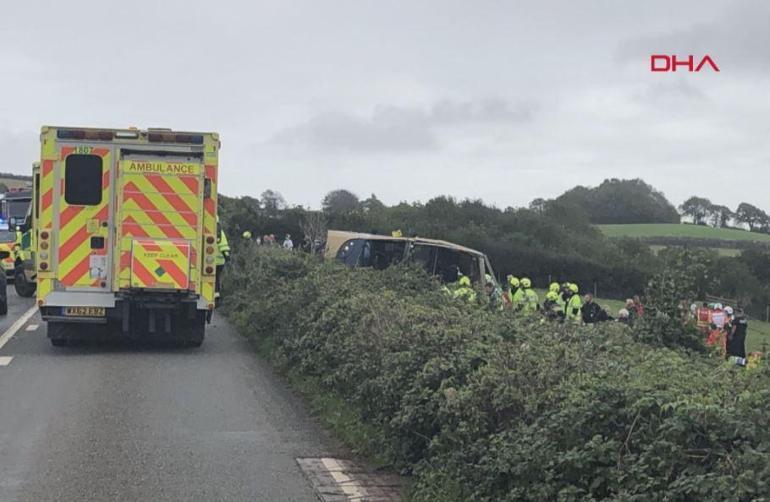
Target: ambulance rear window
83	180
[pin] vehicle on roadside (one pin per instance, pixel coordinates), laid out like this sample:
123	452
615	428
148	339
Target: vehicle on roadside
7	243
125	225
14	206
439	258
24	271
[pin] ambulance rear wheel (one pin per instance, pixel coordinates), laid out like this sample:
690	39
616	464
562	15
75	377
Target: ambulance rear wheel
196	329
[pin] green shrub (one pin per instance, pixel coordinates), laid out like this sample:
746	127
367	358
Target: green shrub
481	405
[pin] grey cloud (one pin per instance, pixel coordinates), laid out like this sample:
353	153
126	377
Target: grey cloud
488	110
388	130
670	94
739	39
398	129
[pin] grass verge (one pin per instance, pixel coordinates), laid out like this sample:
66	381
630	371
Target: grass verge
330	409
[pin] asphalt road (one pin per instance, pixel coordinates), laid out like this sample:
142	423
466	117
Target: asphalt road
125	422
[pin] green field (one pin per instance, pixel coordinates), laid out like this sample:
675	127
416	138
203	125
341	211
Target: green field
655	248
647	230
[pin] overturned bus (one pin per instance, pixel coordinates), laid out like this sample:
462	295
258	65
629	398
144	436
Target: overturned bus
439	258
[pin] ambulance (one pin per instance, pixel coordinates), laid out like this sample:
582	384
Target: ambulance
126	233
14	209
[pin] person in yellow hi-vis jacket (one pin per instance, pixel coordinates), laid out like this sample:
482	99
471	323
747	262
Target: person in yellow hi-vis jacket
573	304
465	290
222	256
531	301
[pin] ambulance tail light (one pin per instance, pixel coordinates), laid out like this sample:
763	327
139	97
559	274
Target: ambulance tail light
209	253
43	264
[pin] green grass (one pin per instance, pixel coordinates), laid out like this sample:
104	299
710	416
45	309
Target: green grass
681	230
334	412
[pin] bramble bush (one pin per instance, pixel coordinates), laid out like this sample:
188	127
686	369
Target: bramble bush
480	405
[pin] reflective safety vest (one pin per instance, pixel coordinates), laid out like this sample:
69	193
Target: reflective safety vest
466	293
517	300
223	249
572	309
531	301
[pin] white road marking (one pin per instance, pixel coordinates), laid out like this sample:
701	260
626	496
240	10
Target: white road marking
32	327
350	487
5	360
21	321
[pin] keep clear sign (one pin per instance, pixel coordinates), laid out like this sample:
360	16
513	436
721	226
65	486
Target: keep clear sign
160	167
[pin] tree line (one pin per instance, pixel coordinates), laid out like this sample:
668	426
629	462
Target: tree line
704	212
554	240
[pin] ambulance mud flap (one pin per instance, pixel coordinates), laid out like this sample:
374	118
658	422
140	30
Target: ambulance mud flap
126	317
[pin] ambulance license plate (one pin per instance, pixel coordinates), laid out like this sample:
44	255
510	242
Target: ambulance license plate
85	311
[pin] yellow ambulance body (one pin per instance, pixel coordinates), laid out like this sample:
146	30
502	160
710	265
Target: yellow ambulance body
126	232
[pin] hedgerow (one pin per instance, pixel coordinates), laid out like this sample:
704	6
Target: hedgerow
480	405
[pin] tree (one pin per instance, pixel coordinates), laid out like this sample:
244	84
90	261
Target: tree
272	200
622	201
340	202
752	216
696	208
313	226
538	205
372	204
720	216
3	188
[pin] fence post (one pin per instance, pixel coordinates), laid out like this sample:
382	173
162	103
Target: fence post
595	289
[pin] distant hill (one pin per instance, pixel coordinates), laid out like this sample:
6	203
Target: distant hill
618	201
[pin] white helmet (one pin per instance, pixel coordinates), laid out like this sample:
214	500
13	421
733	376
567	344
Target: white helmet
729	310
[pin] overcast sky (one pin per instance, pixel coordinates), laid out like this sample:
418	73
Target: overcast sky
500	100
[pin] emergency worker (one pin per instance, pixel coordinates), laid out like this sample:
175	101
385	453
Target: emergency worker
222	256
516	293
553	306
531	301
464	289
555	288
573	304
